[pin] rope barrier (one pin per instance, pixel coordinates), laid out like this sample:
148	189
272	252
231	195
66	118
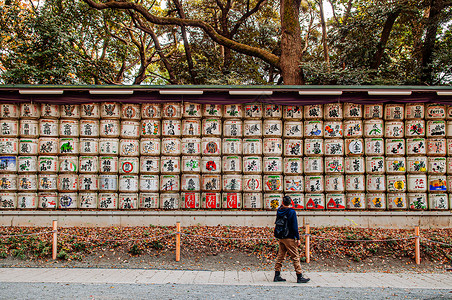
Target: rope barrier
118	240
25	234
436	242
223	238
367	241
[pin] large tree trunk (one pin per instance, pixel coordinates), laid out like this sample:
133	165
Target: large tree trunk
291	47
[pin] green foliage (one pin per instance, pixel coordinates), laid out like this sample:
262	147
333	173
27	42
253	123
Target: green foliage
62	255
135	250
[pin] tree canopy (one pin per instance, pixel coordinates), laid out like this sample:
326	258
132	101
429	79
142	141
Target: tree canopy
385	42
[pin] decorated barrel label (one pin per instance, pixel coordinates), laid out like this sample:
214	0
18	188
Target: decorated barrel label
293	129
253	110
108	200
171	146
151	111
272	201
211	127
108	183
149	164
30	111
354	165
231	200
334	184
191	164
334	164
297	200
376	201
417	164
169	183
108	164
169	200
191	146
353	128
232	128
437	183
88	182
48	164
211	164
129	165
170	165
191	183
252	146
27	182
232	111
436	129
313	165
252	128
68	164
128	201
314	184
417	183
110	146
90	111
272	111
272	165
373	128
149	183
414	111
211	200
47	182
333	130
28	147
397	201
438	201
129	183
394	129
88	164
8	164
129	147
416	146
211	146
191	127
373	111
436	147
69	128
374	147
292	112
68	146
109	128
26	200
252	201
130	130
150	128
394	112
273	183
396	183
110	110
232	164
87	200
313	147
149	200
9	146
190	200
414	128
417	201
437	165
252	183
10	128
26	164
47	200
232	183
192	110
333	111
355	201
335	201
89	128
70	111
67	200
396	165
211	183
171	128
150	146
272	128
67	182
435	111
354	147
355	183
376	183
212	110
293	165
313	129
395	147
293	184
130	111
313	111
353	111
293	147
334	147
315	201
9	111
48	128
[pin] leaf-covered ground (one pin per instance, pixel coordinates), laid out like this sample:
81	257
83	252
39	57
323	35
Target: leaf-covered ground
223	247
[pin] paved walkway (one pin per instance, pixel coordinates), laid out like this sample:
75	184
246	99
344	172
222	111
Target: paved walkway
258	278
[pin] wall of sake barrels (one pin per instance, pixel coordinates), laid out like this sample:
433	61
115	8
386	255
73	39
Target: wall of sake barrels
175	155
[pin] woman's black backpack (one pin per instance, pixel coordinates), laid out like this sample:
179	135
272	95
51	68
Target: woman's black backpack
281	227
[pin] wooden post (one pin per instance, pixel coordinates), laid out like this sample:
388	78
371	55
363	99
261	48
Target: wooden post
178	241
307	244
55	239
417	244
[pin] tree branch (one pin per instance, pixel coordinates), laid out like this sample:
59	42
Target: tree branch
246	16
